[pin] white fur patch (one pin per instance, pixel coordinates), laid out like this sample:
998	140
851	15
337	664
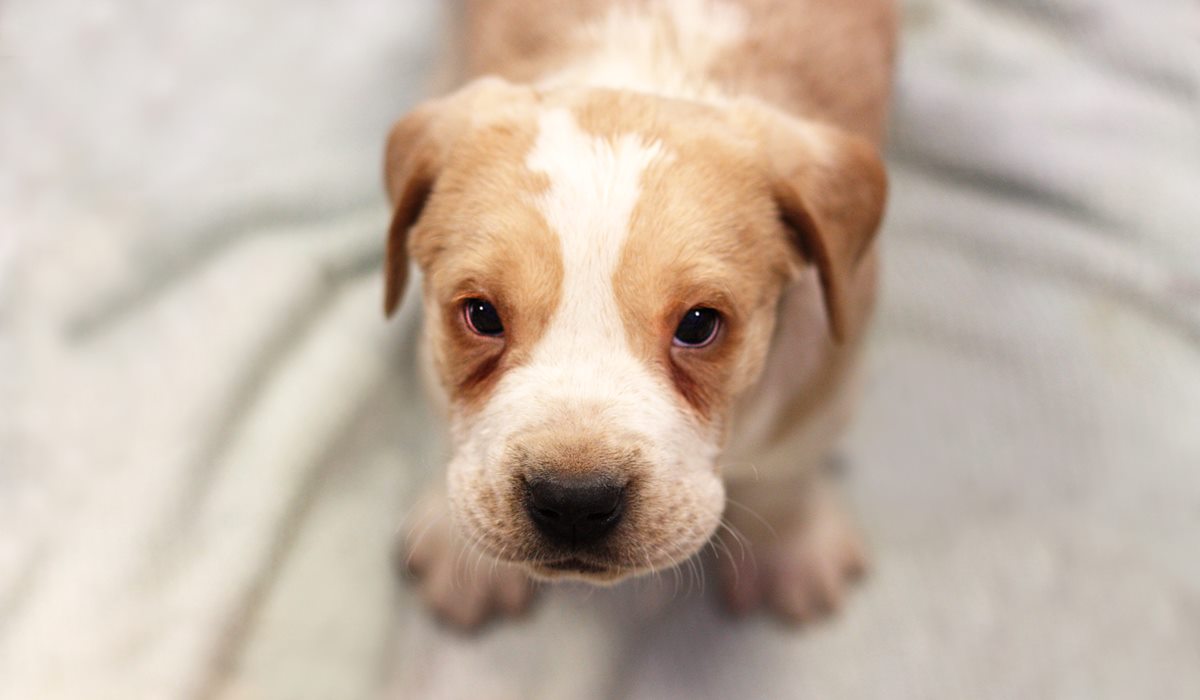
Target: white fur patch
665	47
594	186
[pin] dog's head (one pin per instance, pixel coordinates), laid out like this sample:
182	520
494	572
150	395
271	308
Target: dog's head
601	276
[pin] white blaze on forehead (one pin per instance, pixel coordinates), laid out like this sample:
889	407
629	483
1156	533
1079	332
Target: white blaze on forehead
594	185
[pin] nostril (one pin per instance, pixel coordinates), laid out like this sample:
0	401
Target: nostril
603	515
574	510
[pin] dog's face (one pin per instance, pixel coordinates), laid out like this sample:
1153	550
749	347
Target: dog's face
601	276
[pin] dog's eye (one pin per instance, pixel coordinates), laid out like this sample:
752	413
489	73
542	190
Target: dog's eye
482	317
698	327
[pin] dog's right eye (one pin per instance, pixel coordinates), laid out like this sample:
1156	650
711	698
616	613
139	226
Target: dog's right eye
482	318
697	328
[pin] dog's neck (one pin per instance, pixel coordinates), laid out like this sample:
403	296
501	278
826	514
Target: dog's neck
668	49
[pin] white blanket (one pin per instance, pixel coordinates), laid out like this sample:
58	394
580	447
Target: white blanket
208	433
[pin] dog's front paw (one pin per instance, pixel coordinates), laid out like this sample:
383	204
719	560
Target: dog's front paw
461	584
800	569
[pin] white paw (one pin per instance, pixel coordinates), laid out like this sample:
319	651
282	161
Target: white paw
462	586
800	570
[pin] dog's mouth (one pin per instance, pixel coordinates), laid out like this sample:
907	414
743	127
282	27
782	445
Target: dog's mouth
574	567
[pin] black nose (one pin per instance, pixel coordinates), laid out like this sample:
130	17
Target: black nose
574	511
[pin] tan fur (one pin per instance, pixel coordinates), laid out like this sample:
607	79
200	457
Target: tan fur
477	238
828	60
704	234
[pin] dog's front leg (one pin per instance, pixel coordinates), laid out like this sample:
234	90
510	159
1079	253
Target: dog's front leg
790	547
463	585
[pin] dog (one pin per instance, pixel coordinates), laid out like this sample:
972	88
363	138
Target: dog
646	231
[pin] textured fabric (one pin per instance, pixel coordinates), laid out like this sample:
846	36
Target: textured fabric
208	435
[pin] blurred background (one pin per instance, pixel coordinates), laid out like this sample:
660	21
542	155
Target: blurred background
208	434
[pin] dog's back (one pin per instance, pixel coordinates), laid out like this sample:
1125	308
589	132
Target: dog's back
825	59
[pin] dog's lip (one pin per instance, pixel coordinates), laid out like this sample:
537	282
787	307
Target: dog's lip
575	564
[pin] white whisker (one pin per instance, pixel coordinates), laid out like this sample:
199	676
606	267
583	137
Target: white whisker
755	515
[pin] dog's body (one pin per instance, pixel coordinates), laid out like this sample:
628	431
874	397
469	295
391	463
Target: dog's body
639	169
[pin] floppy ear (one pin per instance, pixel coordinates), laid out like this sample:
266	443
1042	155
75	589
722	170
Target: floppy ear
414	158
830	187
417	148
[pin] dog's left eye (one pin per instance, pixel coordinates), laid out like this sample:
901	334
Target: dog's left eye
482	317
697	328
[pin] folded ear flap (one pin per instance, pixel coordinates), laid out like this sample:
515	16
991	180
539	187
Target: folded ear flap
417	149
830	187
414	158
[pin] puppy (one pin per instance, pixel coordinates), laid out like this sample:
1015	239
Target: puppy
646	236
